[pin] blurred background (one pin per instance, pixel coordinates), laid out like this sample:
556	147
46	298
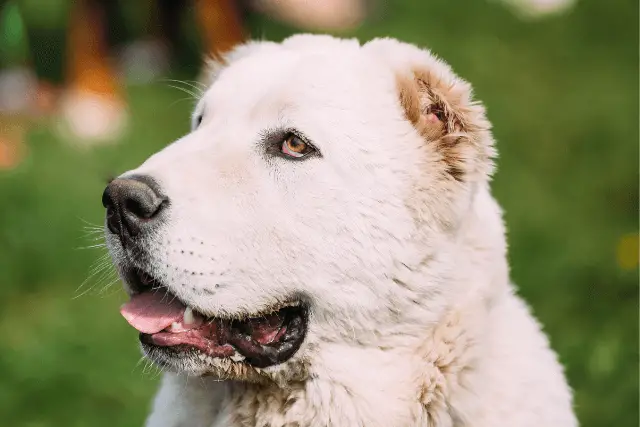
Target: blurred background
89	89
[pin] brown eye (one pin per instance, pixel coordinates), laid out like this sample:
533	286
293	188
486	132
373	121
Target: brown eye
293	146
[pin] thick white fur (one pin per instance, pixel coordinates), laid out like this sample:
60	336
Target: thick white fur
414	321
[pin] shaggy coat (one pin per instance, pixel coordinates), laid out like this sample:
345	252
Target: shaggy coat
390	235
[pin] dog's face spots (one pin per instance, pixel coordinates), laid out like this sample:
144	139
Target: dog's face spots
294	184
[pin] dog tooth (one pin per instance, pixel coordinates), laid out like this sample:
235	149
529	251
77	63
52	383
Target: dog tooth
291	304
188	316
176	327
237	357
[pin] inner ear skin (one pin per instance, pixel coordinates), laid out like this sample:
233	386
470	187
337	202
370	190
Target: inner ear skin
432	103
422	108
435	121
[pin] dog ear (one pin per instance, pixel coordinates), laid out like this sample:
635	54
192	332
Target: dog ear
440	107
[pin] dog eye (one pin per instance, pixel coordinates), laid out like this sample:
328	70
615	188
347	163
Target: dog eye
295	147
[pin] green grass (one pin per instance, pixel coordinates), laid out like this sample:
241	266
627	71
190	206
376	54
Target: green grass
562	94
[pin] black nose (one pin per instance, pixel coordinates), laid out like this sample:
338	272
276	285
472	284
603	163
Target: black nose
133	205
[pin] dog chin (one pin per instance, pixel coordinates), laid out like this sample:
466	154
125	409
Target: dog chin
194	363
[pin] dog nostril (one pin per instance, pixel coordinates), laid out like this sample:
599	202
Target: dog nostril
140	209
112	221
132	204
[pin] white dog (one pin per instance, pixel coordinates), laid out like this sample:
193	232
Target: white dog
323	250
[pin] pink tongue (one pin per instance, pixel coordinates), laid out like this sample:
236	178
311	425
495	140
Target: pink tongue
151	312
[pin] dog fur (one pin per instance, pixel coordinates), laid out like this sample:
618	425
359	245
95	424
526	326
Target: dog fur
391	236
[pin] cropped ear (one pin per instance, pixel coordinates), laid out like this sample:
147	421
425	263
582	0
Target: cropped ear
440	107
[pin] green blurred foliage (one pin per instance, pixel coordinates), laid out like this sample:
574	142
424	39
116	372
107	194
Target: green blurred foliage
45	14
13	40
563	96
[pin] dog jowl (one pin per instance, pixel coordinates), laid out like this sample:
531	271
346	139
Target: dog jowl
322	249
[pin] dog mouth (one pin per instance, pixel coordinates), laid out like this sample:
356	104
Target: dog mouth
261	340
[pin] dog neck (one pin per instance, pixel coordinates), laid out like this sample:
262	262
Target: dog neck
366	386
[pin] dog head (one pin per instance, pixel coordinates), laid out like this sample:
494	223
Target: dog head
316	202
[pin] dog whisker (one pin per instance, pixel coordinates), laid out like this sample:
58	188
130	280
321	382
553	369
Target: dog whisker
191	93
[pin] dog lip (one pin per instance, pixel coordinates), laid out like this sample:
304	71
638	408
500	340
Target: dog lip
284	345
139	281
263	339
218	337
